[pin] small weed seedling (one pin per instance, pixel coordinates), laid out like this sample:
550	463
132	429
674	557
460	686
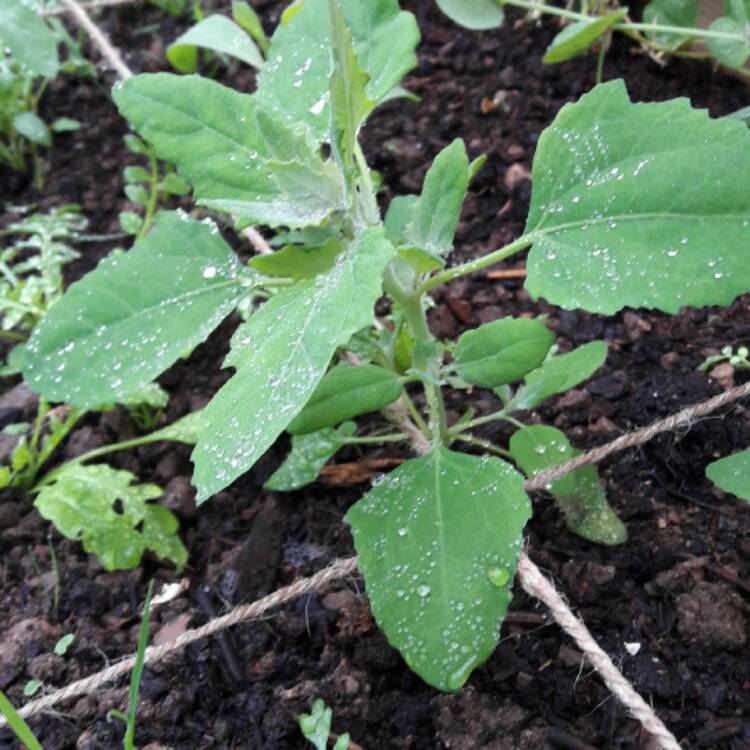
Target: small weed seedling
31	268
29	60
95	503
628	202
316	727
147	187
667	29
129	719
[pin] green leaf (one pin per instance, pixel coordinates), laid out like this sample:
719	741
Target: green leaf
111	516
185	430
559	374
65	125
28	38
612	219
32	126
248	19
732	474
17	724
578	37
349	102
280	354
174	185
587	512
539	447
399	215
136	174
135	145
438	541
218	34
298	262
127	321
62	646
436	212
309	454
130	221
151	394
136	194
316	726
347	392
32	687
503	351
730	52
239	158
295	80
682	13
473	14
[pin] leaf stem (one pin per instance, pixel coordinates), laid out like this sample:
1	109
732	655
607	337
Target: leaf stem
476	265
153	194
370	439
484	444
686	31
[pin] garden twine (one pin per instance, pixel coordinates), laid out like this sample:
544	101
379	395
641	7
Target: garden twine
531	578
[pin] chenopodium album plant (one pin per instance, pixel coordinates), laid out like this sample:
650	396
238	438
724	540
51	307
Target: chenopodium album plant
633	204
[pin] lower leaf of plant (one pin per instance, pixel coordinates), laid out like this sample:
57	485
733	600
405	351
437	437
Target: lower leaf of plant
438	542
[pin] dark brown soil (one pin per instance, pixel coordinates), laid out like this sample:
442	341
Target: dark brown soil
677	592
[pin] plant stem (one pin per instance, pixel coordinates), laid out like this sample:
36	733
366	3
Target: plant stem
153	195
484	444
413	308
414	413
394	438
686	31
600	58
476	265
494	417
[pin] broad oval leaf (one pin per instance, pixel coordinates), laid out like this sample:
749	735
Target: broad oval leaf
347	392
732	474
731	52
295	79
280	354
309	454
577	38
503	351
218	34
81	503
473	14
438	541
28	38
32	126
559	374
627	203
587	511
239	158
682	13
538	447
124	323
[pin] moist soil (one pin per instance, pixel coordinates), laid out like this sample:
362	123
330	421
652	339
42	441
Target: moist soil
671	605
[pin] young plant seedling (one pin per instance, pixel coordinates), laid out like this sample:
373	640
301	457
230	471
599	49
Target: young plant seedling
147	187
129	719
29	60
31	268
316	727
628	201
